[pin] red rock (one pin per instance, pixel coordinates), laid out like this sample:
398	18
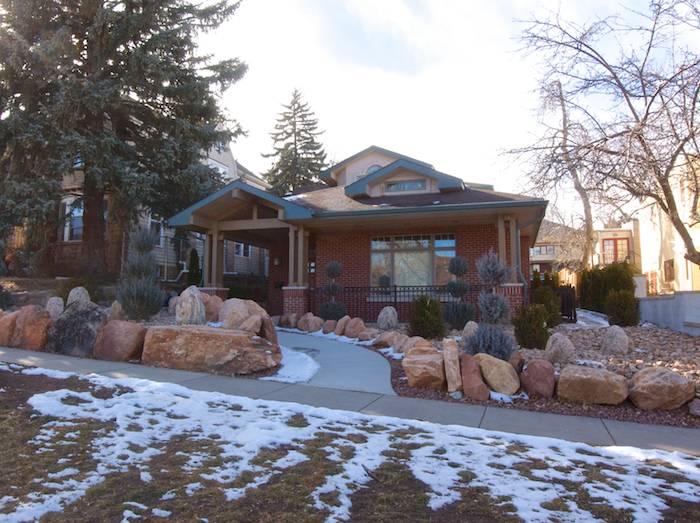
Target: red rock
120	340
591	385
212	306
354	327
7	327
658	388
368	334
310	323
450	354
31	328
538	379
329	326
472	383
268	331
340	326
517	360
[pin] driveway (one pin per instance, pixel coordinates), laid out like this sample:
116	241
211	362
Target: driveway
343	365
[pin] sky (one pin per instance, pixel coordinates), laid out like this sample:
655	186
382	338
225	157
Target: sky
444	81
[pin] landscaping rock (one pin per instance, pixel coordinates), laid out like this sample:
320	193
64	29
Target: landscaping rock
450	355
233	312
172	304
120	340
354	327
424	370
289	321
591	385
252	324
340	326
408	343
54	306
559	349
31	328
268	331
472	382
310	323
517	360
399	341
615	341
189	309
421	347
75	331
388	318
538	379
498	374
694	408
658	388
79	294
329	326
212	306
116	312
469	330
385	339
208	349
368	334
7	327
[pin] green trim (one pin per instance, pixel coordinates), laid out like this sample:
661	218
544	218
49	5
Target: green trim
445	181
292	210
326	174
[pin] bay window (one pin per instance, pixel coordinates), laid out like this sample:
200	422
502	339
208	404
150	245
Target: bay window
412	260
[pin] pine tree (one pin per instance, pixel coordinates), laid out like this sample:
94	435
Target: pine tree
139	293
299	156
118	91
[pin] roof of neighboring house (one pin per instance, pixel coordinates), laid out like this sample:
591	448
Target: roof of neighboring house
554	233
326	174
246	173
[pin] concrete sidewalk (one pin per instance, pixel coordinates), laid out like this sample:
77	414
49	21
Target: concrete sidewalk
594	431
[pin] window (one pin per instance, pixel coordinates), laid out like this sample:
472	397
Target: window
615	250
156	226
415	260
72	212
542	249
669	271
373	168
405	185
241	249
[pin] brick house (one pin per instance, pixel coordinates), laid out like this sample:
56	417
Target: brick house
392	221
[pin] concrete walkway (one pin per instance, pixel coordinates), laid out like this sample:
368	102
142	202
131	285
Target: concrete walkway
594	431
343	365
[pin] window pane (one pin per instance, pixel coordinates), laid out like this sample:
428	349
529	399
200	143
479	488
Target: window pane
381	243
622	249
75	222
608	251
406	185
412	268
412	242
445	241
381	266
442	262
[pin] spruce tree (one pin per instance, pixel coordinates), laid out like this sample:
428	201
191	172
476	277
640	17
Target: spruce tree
118	91
298	156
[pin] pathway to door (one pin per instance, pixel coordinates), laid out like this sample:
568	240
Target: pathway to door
343	366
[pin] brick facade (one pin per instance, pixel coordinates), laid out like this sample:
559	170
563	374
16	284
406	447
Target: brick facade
295	300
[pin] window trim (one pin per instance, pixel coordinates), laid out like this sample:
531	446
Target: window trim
615	250
68	202
394	248
390	183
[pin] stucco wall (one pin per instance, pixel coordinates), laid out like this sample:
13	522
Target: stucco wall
358	167
679	311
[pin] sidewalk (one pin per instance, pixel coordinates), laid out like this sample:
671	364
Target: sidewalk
594	431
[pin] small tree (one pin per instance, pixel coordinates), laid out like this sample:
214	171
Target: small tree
457	314
333	310
194	273
139	293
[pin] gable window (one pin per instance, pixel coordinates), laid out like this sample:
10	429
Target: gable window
373	168
414	260
405	185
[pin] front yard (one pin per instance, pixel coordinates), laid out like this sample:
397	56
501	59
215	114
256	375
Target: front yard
102	449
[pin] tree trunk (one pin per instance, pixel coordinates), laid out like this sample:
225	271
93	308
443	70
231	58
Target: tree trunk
93	227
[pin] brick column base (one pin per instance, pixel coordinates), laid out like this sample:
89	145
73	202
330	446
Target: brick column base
295	300
513	292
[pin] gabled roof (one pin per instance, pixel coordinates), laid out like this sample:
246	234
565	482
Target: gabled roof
445	182
326	174
291	209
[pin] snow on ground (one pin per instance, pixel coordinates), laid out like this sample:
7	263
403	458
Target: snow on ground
587	319
529	471
296	367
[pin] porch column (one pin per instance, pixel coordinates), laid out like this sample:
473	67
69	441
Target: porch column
501	239
207	260
290	257
300	255
513	249
216	260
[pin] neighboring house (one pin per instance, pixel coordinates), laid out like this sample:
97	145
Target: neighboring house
616	244
557	249
384	216
172	251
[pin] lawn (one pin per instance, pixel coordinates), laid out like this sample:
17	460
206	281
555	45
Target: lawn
89	449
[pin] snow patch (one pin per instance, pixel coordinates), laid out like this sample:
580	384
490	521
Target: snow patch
296	367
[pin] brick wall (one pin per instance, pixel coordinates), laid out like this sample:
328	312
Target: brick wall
295	300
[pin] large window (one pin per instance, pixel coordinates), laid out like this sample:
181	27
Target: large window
615	250
405	186
72	212
542	249
412	260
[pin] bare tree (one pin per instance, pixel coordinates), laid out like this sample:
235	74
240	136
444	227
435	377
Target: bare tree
633	88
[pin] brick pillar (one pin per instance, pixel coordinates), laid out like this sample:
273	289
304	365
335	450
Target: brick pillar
295	300
513	292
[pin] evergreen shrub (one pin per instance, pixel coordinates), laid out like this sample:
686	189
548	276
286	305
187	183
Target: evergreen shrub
139	293
551	301
425	318
491	340
531	326
622	308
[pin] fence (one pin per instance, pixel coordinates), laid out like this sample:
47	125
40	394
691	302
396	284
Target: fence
567	295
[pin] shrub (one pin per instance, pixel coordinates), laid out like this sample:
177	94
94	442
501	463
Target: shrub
622	308
66	285
494	308
384	281
595	284
531	326
458	266
332	310
491	340
139	293
241	292
492	272
425	318
551	301
333	270
334	289
457	314
6	299
457	288
194	273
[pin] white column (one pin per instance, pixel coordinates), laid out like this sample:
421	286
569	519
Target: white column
300	255
513	249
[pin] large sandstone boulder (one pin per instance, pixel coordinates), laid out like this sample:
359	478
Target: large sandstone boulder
517	360
469	330
252	324
368	334
399	341
559	349
78	294
340	326
7	327
289	321
388	318
591	385
498	374
421	347
234	312
658	388
31	328
615	341
120	340
408	343
450	354
694	408
172	304
538	379
189	309
268	331
310	323
212	306
208	349
329	326
54	306
385	339
424	370
75	331
354	327
472	383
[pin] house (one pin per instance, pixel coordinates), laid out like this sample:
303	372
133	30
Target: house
392	221
558	250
